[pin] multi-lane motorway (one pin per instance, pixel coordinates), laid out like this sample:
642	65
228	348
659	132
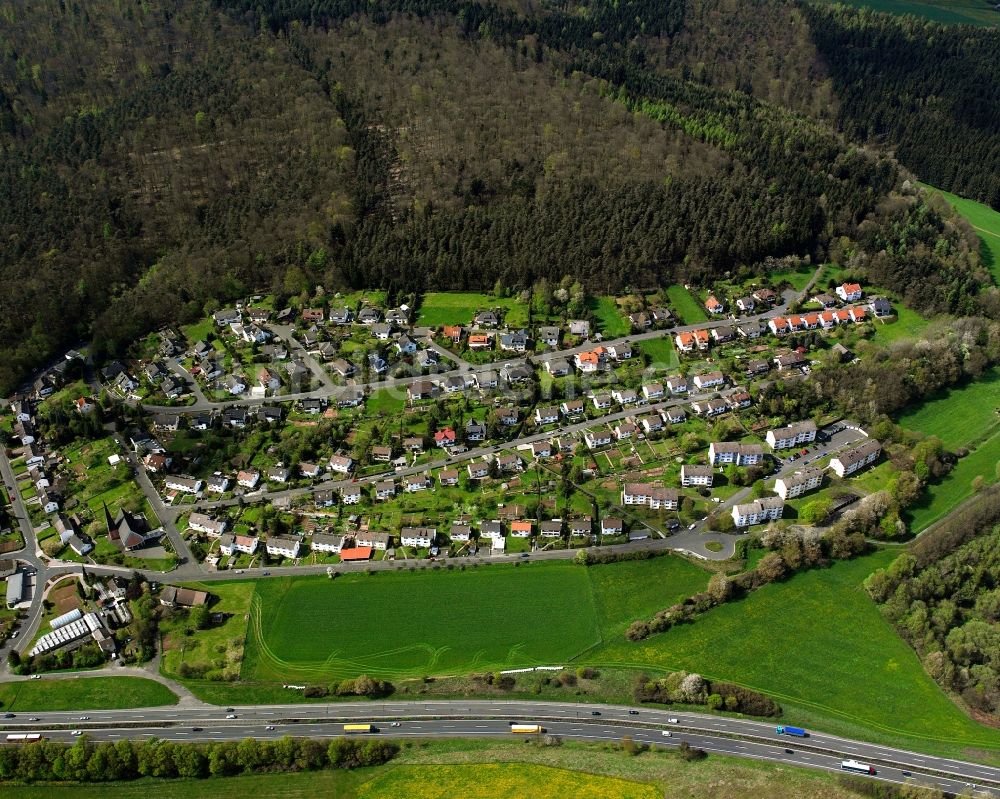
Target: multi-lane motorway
486	719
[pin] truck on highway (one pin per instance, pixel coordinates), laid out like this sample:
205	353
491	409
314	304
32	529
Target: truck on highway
854	765
23	737
359	729
798	732
526	729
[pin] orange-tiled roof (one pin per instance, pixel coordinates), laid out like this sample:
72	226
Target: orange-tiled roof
356	553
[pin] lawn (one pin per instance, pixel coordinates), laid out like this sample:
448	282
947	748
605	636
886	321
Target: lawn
84	693
490	780
984	219
388	401
947	12
959	416
907	324
427	622
687	307
458	308
797	280
610	321
820	646
661	352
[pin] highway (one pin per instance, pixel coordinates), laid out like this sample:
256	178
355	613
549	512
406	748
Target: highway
486	719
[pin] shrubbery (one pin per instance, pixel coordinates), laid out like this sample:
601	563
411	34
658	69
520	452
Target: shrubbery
692	689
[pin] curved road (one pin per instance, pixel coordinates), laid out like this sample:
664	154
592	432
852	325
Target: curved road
478	718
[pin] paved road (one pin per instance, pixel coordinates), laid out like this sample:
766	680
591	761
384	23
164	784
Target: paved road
478	718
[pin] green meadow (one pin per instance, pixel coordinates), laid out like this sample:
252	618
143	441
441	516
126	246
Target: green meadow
84	693
686	306
457	308
947	12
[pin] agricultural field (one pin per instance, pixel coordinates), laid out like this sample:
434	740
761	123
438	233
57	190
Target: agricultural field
429	622
490	780
984	219
608	319
84	693
458	308
947	12
686	305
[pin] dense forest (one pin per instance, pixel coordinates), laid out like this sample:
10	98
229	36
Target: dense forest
158	158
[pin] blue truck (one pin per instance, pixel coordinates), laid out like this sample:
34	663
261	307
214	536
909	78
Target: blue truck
798	732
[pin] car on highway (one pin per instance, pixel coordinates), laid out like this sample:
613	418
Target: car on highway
84	718
269	727
666	733
789	751
267	574
36	676
230	715
34	718
691	526
672	721
394	724
196	729
77	732
8	715
230	709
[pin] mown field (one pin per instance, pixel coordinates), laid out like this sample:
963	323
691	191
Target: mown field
686	306
84	693
947	12
415	623
493	769
458	308
984	219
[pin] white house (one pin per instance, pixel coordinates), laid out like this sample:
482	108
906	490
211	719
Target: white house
696	475
850	292
797	484
417	536
856	458
283	546
759	511
726	452
792	436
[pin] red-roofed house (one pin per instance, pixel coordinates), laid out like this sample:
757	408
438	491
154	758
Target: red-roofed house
714	306
355	554
850	292
445	437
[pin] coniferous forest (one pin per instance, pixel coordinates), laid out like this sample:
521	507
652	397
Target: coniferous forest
159	158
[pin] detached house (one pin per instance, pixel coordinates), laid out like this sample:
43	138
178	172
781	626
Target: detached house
597	438
709	380
280	546
850	292
342	464
714	306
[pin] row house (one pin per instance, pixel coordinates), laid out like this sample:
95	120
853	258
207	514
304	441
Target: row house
417	536
243	544
690	341
710	408
653	497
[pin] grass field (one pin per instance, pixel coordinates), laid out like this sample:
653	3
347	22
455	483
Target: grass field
426	622
609	320
984	219
960	416
458	308
491	780
947	12
687	307
661	352
84	693
386	400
